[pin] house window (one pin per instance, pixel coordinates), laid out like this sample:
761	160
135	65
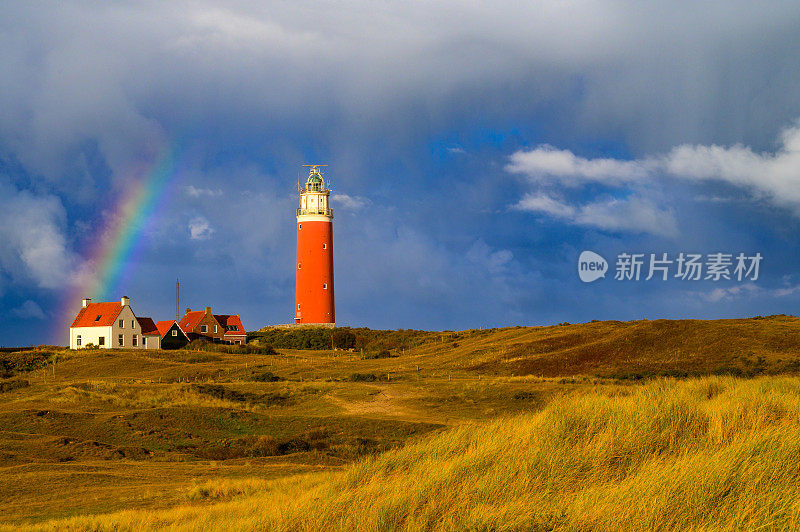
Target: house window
324	246
174	333
101	340
135	340
238	342
324	286
78	341
121	340
215	329
121	324
204	328
133	324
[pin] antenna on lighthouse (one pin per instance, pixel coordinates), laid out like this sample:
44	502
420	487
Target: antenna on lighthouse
177	296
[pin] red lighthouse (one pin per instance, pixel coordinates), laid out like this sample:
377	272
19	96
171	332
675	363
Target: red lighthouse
314	292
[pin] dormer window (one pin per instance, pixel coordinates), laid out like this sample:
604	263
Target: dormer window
98	318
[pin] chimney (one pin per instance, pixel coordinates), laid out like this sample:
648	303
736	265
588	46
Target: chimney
85	301
188	310
208	310
125	300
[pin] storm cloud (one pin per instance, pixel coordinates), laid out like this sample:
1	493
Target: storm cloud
470	145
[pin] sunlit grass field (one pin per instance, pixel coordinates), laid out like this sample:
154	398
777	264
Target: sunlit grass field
448	433
702	454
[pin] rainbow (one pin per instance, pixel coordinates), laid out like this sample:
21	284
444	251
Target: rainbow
112	257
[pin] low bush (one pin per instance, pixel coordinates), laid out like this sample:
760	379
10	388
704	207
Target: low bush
363	377
8	386
248	349
319	338
266	376
366	377
221	392
24	361
385	353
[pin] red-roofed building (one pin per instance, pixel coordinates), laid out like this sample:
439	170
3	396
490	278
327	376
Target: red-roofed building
234	330
223	328
172	337
151	339
108	325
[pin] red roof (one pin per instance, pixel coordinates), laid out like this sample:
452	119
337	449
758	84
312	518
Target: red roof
190	320
147	325
164	326
97	315
231	322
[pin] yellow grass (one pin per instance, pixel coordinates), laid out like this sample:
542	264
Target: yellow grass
713	453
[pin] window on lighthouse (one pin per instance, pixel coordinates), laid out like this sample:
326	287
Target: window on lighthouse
324	246
324	286
299	266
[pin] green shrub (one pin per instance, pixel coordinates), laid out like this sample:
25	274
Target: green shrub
319	338
24	361
266	376
201	344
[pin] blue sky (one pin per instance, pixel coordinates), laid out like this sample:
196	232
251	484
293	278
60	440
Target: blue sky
475	150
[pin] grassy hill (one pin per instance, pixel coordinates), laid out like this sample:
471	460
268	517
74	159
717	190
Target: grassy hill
714	453
175	436
636	349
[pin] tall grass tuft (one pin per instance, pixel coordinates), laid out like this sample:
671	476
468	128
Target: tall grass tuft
714	453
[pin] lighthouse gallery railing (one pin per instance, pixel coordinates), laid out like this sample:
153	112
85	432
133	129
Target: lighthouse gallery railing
325	212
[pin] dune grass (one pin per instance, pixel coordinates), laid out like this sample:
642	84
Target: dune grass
714	453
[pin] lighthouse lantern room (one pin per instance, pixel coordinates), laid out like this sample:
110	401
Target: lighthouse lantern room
314	288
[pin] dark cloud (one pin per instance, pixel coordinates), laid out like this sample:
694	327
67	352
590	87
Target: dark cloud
417	109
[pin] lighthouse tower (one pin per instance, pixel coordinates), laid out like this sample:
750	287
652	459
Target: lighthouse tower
314	292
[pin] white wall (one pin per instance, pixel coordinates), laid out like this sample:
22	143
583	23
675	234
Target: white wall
89	335
152	341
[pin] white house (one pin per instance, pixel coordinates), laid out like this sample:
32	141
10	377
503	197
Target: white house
109	325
